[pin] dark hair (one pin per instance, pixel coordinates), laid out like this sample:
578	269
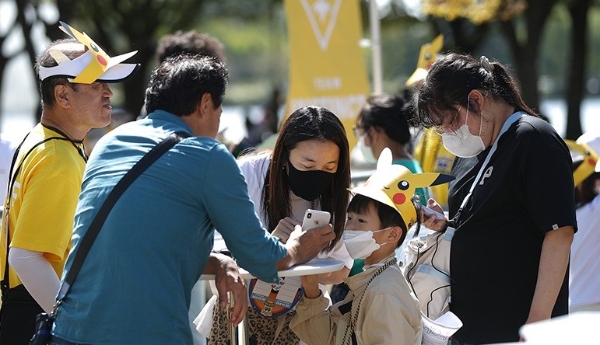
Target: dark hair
46	86
179	82
308	123
585	192
388	216
450	80
189	42
389	113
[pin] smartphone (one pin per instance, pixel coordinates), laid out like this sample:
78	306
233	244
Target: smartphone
314	219
429	212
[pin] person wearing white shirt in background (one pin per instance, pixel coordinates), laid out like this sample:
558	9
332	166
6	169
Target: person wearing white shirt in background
584	280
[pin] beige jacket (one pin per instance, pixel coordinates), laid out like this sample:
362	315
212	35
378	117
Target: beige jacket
389	312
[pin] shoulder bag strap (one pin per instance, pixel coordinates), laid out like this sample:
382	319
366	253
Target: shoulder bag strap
120	187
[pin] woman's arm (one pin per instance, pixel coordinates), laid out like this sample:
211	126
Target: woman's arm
554	261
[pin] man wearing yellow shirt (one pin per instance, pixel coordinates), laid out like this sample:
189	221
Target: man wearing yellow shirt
45	178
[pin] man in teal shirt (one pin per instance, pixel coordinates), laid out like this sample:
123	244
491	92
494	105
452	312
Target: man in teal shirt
134	286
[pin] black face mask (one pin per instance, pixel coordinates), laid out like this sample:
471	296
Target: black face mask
308	185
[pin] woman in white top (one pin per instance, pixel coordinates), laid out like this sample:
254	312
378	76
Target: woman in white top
308	168
584	280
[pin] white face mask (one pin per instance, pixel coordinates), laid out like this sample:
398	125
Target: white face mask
360	244
462	143
366	151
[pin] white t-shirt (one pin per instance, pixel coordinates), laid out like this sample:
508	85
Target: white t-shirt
584	278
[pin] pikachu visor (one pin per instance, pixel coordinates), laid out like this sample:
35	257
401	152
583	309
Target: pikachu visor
92	66
394	185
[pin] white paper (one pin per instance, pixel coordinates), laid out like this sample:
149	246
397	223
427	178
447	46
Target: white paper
437	332
577	328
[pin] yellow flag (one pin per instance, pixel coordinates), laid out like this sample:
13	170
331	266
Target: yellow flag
327	66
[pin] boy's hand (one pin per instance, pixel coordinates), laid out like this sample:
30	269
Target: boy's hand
310	283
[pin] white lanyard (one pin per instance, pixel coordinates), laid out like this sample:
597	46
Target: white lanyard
512	119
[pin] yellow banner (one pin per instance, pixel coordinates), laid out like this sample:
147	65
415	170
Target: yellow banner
327	66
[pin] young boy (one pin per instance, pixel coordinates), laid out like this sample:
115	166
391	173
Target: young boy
380	307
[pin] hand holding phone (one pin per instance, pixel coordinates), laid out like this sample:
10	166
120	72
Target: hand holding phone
315	219
429	212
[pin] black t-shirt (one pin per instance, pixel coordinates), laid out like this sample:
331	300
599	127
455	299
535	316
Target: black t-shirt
525	191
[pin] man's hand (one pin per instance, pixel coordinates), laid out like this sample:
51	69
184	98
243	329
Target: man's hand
302	245
228	280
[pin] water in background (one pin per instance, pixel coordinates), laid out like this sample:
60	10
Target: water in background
16	124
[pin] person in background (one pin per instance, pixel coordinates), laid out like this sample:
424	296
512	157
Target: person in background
186	42
584	284
309	168
510	251
383	122
159	235
434	157
189	42
46	175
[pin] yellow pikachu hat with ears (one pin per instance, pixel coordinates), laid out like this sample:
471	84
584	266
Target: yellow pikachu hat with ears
590	161
427	56
93	65
394	185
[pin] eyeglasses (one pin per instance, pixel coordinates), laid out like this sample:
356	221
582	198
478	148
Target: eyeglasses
439	129
359	131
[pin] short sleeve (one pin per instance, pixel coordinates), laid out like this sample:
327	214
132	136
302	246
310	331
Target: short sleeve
547	179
